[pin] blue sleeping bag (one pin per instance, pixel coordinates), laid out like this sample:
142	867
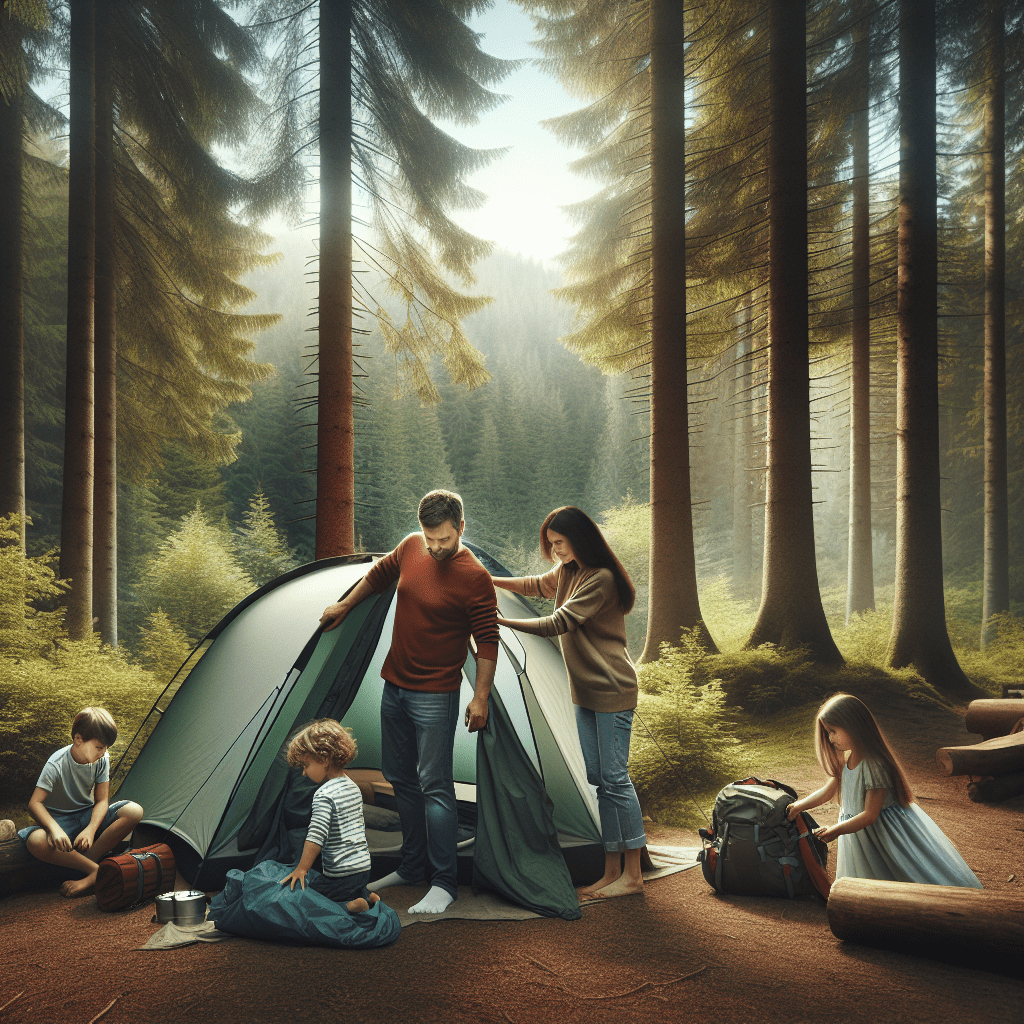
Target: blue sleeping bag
255	904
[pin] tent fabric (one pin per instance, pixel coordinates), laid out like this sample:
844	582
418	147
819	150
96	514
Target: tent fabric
212	776
517	852
255	904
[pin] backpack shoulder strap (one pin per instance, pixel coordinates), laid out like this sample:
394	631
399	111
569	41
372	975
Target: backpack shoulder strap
818	875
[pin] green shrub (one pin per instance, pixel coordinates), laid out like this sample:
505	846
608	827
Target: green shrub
39	697
163	647
684	737
195	578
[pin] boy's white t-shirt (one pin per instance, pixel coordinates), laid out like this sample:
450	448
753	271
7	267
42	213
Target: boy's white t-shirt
69	783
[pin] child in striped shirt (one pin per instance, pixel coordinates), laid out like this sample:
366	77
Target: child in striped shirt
336	829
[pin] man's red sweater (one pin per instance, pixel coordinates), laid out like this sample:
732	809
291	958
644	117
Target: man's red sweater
439	605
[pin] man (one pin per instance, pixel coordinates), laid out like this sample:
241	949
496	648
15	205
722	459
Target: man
444	596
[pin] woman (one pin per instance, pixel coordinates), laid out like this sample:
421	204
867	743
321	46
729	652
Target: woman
592	595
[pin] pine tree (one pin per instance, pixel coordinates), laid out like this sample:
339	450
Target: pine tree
386	67
259	549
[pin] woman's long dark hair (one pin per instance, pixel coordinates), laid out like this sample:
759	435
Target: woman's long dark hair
852	714
590	547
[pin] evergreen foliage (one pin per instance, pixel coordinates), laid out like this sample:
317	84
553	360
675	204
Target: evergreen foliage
259	549
194	578
163	647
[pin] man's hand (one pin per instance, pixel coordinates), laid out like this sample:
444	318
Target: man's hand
476	714
334	615
57	839
84	840
298	875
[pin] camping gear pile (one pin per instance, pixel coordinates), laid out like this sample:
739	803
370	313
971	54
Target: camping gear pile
753	849
997	763
208	763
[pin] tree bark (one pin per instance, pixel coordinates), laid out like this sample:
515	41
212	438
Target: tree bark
994	791
919	635
743	485
973	925
12	310
335	487
998	756
77	507
104	585
992	717
791	614
860	587
996	573
673	604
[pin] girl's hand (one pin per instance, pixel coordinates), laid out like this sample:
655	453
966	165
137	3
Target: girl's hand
827	833
297	875
792	812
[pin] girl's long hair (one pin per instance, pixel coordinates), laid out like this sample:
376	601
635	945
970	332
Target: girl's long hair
589	545
852	714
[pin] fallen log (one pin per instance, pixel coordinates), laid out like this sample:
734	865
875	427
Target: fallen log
993	717
975	927
992	791
999	756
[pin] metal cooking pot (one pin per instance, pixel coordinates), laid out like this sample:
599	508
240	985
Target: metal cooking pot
183	907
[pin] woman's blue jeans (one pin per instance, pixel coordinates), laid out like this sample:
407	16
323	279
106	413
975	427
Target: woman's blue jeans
604	738
417	739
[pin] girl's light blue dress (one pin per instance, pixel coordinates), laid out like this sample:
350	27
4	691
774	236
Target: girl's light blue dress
903	845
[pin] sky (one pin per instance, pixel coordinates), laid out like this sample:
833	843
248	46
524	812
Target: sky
527	187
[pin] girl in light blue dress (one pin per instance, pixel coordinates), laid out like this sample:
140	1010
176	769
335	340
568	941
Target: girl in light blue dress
883	833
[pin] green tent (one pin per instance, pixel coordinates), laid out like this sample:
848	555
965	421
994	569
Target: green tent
208	767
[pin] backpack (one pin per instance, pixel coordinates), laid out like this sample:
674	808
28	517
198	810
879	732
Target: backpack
752	849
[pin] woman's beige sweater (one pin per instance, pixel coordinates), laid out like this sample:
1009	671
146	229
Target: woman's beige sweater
591	631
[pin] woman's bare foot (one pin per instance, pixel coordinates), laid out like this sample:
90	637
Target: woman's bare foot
622	886
357	906
78	887
587	892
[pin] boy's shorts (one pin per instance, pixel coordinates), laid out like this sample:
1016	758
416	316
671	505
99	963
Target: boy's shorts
74	822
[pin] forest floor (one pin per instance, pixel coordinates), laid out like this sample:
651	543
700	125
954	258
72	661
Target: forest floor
678	953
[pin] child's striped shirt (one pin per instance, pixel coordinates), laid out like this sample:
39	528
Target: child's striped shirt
337	827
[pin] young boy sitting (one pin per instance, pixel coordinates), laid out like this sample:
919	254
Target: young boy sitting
77	826
336	828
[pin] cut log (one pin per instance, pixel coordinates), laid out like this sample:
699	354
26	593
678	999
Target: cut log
971	926
992	791
991	718
13	855
1000	756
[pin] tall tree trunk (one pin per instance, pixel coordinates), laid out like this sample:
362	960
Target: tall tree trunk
742	483
860	586
12	279
335	480
919	635
76	510
673	604
104	536
791	614
996	577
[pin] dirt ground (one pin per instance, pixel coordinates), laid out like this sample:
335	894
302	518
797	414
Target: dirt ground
678	953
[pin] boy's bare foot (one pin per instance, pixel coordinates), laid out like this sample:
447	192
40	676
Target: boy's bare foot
78	887
374	899
7	830
357	906
620	887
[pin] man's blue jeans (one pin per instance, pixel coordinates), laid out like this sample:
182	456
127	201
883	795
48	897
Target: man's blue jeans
604	739
417	737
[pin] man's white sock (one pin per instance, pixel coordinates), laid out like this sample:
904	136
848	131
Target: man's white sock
388	880
435	902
